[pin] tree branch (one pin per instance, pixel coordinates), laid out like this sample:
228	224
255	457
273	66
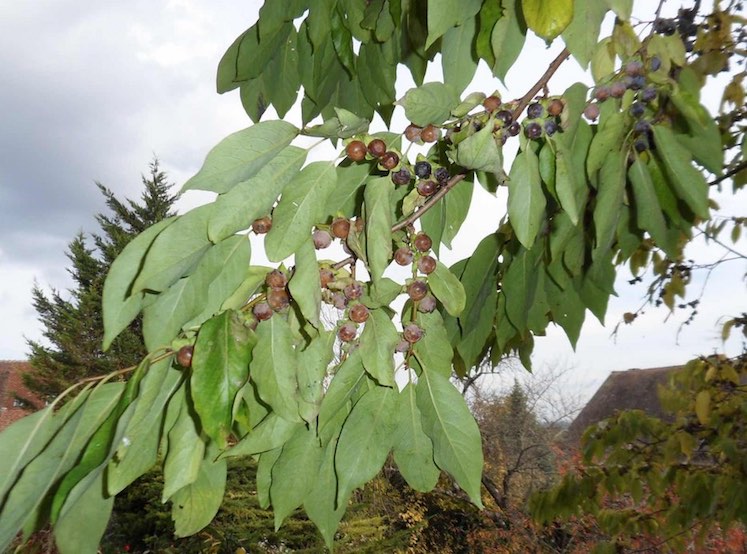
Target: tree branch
733	171
413	217
541	82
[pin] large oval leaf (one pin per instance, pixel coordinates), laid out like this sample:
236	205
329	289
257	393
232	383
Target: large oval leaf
547	18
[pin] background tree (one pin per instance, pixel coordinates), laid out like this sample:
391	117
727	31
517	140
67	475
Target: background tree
72	323
239	361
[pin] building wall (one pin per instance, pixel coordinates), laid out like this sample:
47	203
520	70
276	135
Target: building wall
12	390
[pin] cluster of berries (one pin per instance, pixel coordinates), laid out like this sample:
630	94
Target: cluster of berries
323	235
542	118
276	296
684	23
429	179
633	77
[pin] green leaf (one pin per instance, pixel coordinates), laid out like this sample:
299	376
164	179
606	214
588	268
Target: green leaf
348	194
688	182
412	449
705	137
547	18
365	441
119	306
456	207
195	505
236	209
294	473
610	194
273	368
282	87
83	522
444	14
377	73
305	286
448	289
220	367
264	476
138	449
321	503
603	60
456	54
240	155
622	8
526	200
649	215
487	17
176	251
567	183
520	285
507	40
581	35
609	138
481	152
349	376
457	447
312	368
300	207
376	198
186	451
430	103
271	433
703	406
377	343
434	349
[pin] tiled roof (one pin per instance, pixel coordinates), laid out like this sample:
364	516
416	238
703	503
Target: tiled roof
16	400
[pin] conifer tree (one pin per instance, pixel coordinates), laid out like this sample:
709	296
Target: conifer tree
73	326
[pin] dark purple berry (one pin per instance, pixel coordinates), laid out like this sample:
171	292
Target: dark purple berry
422	169
637	109
640	144
505	116
550	127
642	126
637	82
655	63
533	130
377	148
514	129
442	175
535	110
401	177
388	160
617	89
634	68
648	94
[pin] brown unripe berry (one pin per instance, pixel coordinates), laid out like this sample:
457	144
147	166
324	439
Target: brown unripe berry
555	107
403	256
347	332
358	225
417	290
403	346
326	276
377	148
322	239
427	265
412	132
262	225
358	313
591	112
602	93
423	242
356	151
353	291
278	299
262	311
184	355
430	134
340	228
427	188
339	301
491	103
427	304
389	160
412	333
276	279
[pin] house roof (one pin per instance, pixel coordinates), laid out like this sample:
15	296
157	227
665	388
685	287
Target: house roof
12	389
634	389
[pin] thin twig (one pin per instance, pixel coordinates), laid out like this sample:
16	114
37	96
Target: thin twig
412	218
733	171
541	83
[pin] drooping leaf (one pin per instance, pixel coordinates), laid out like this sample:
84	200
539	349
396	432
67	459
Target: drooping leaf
350	375
220	367
264	476
649	215
434	349
282	87
312	368
507	40
300	207
448	289
294	473
254	197
444	14
456	54
83	522
607	139
547	18
185	453
119	306
526	200
377	343
611	189
305	286
430	103
412	449
376	197
271	433
581	35
241	155
273	367
366	439
481	152
457	447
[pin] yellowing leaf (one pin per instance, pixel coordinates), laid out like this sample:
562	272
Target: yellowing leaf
547	18
703	406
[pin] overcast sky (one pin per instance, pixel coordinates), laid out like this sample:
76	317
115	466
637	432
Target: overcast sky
91	91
